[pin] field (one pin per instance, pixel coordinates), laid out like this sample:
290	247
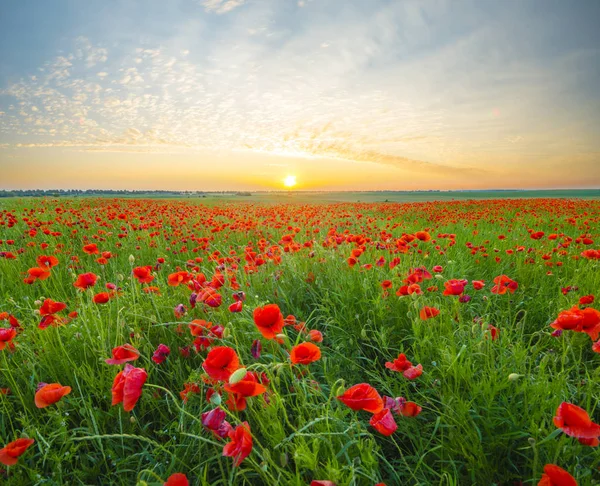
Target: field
237	330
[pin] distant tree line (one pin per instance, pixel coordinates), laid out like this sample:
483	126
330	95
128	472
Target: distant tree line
90	192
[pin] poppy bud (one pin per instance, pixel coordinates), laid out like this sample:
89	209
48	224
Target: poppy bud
120	277
132	419
226	333
215	399
281	336
283	459
514	376
38	303
438	276
131	259
237	376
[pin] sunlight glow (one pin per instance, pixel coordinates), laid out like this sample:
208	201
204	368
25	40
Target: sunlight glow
289	181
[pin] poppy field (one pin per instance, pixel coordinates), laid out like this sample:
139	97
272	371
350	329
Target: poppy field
151	342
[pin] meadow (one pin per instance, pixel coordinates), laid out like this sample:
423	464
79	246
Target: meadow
295	342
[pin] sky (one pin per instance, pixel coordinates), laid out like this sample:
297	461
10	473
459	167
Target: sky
343	94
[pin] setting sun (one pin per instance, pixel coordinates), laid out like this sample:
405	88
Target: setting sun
289	181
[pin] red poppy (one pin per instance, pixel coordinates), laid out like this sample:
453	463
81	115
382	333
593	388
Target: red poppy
423	235
101	298
241	443
384	422
45	261
91	249
214	420
410	409
478	284
37	273
177	278
10	453
161	353
268	320
404	366
123	354
127	387
143	274
221	362
556	476
504	284
6	336
305	353
428	313
236	306
177	479
85	281
362	397
575	422
247	387
454	287
49	394
51	307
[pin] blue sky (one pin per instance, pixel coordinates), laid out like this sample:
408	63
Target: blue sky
344	94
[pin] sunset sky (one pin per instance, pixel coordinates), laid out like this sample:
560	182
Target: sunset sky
342	94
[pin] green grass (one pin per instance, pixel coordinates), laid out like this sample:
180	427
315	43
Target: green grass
477	427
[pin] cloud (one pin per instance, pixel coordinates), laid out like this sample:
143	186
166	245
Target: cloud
221	6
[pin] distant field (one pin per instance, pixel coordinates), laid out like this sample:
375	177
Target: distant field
401	196
318	197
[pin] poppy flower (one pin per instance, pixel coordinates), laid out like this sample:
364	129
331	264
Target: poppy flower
50	320
221	362
51	307
177	278
214	420
454	287
85	281
123	354
305	353
127	387
177	479
236	306
315	336
240	445
50	394
10	453
404	366
256	348
384	422
268	320
362	397
45	261
478	284
423	235
322	482
101	298
504	284
428	313
37	273
91	249
6	336
247	387
161	353
586	300
409	409
143	274
556	476
575	422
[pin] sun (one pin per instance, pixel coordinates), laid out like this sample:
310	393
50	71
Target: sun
289	181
